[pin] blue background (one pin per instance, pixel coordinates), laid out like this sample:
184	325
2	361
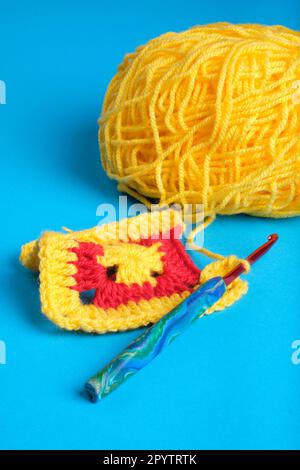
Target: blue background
229	381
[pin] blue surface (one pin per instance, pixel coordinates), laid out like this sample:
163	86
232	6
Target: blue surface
229	381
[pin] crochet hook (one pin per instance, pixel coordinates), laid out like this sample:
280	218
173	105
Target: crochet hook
150	344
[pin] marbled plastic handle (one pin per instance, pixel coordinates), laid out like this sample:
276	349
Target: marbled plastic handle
147	346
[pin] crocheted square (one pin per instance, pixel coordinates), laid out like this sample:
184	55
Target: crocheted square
113	277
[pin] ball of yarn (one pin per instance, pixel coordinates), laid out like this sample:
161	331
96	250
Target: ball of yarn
210	116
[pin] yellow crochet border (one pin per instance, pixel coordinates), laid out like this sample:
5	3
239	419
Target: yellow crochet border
62	305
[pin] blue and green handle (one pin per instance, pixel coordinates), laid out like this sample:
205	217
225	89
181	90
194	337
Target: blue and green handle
150	344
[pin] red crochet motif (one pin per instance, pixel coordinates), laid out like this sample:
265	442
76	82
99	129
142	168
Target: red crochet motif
179	274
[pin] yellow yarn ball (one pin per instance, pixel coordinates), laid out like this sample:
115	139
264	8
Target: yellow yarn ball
210	115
